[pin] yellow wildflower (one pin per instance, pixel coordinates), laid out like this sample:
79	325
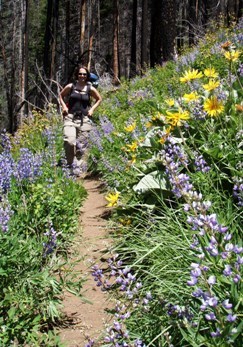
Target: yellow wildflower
191	97
170	102
213	106
132	147
175	118
211	85
191	75
148	125
131	127
232	55
112	198
210	72
133	159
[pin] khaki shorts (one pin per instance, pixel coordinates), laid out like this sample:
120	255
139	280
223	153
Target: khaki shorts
72	127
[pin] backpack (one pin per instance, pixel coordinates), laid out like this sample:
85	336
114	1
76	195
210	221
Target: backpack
94	79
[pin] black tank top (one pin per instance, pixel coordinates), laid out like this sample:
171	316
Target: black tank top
79	101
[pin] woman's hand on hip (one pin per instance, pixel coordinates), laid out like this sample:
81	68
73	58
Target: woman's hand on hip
65	111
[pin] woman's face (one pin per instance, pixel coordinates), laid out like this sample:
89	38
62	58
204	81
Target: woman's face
82	74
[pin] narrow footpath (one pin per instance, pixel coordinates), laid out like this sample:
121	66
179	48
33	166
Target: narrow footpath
86	320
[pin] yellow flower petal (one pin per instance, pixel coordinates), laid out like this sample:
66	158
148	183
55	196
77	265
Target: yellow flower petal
112	198
210	72
170	102
131	127
190	75
213	106
211	85
175	118
232	55
132	147
191	97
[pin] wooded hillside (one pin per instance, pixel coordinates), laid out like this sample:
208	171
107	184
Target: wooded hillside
43	40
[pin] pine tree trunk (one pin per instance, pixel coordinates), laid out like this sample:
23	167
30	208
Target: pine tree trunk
54	39
7	88
155	38
67	40
91	34
115	43
25	60
133	65
240	9
168	29
82	26
144	37
46	60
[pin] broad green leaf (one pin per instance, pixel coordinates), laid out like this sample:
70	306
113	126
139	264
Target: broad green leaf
153	180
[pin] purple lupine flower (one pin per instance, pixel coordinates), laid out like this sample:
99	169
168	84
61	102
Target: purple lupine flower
7	169
231	318
95	137
210	316
196	272
227	237
216	333
149	296
90	343
240	70
198	112
211	280
227	270
51	244
107	127
138	285
201	164
139	343
192	281
236	278
28	165
226	304
99	278
117	326
212	250
5	214
237	249
197	293
107	164
229	247
238	191
213	301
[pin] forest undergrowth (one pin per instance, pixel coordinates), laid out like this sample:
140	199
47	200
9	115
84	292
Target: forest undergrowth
168	146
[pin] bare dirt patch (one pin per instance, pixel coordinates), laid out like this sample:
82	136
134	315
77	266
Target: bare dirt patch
86	320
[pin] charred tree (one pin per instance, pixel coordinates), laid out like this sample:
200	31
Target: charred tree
156	34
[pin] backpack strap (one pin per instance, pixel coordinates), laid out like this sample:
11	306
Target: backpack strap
89	85
72	87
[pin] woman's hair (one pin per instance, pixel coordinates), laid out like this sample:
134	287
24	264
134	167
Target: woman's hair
77	71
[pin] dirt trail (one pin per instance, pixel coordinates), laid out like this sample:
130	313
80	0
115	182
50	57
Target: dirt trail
87	319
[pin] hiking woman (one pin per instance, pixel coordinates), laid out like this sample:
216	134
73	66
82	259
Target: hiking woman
77	115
